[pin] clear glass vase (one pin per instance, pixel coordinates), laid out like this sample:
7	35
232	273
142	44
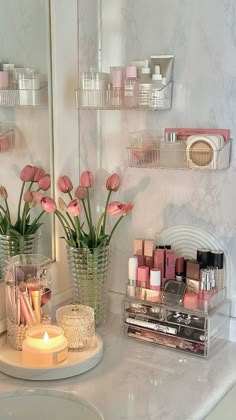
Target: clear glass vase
15	245
90	269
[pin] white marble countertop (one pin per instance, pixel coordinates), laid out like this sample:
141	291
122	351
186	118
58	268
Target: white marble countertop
137	381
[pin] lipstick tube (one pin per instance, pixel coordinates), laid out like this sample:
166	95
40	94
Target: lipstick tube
155	279
133	269
143	277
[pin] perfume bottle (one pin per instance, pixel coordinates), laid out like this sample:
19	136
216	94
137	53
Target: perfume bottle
172	152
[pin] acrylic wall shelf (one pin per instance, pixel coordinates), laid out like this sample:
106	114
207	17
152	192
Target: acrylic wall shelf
24	97
168	156
192	331
146	100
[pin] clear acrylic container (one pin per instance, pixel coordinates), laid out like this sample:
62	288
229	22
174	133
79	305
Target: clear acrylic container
177	156
77	322
28	295
173	326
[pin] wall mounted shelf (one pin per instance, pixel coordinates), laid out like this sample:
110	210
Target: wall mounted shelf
119	99
24	97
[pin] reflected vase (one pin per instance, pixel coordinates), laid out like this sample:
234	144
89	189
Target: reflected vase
90	277
15	245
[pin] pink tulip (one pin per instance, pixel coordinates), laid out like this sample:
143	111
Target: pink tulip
115	208
80	193
62	204
39	173
113	182
86	179
37	196
48	204
28	196
3	192
64	184
44	183
27	173
127	209
74	208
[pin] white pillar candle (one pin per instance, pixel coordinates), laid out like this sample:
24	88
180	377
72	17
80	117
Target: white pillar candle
44	346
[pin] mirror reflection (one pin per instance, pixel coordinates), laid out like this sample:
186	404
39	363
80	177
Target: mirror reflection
25	122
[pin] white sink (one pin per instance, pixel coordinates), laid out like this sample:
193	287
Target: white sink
44	404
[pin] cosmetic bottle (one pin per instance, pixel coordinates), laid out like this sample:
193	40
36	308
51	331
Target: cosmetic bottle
117	93
94	89
130	87
179	268
148	252
217	261
133	270
145	86
155	279
138	251
156	98
170	264
172	152
203	256
143	277
159	263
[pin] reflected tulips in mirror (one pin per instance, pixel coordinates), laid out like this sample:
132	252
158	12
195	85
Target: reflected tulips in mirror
88	234
34	180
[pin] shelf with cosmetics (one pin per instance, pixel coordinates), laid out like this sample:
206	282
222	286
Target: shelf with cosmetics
145	85
180	149
22	86
178	302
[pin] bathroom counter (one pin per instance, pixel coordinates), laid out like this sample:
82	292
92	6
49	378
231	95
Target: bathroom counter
137	381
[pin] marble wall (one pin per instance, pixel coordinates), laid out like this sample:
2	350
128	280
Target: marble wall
202	37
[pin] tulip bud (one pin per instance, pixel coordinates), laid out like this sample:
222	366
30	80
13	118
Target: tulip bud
74	208
37	196
62	204
127	209
27	173
64	184
28	196
44	183
3	192
86	179
115	208
39	173
48	204
80	193
113	182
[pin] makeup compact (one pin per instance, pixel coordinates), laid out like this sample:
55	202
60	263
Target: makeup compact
207	152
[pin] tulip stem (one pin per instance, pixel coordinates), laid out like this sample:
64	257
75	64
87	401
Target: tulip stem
105	211
89	209
2	208
35	222
59	215
70	218
114	228
8	212
99	223
21	193
62	218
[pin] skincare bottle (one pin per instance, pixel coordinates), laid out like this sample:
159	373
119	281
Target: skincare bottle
117	80
156	98
172	152
130	90
145	86
217	261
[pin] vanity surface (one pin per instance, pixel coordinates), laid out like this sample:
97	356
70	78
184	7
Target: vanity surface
137	381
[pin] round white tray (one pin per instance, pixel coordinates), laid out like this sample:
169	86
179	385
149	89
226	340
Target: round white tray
77	363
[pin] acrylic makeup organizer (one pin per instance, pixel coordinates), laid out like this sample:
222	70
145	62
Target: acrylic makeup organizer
200	329
149	151
200	332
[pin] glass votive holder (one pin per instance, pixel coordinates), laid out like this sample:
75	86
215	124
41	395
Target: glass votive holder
77	322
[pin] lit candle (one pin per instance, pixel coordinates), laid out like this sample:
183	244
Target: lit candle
44	346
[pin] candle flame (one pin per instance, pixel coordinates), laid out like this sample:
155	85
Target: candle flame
45	337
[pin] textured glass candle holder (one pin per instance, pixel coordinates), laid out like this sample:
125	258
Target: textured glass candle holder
77	322
28	295
90	269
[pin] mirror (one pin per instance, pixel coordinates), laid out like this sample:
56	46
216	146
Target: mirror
26	102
